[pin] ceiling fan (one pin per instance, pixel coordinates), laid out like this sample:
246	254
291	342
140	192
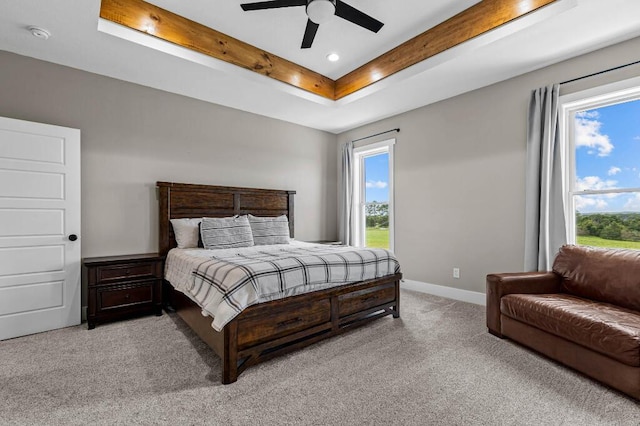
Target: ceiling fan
318	12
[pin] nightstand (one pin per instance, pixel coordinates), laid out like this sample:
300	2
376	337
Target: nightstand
123	286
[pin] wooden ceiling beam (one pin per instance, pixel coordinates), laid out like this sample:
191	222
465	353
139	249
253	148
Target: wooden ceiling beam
472	22
153	20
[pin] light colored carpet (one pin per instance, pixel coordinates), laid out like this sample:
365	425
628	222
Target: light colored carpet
436	365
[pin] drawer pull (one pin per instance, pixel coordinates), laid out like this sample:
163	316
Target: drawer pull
126	296
289	322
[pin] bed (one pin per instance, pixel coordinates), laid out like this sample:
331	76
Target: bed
263	331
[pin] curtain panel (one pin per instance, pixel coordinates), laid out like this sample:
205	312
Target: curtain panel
346	196
545	222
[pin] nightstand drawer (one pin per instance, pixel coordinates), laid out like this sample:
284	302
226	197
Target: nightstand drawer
120	296
126	271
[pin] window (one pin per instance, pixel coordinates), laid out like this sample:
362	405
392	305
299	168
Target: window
373	195
601	129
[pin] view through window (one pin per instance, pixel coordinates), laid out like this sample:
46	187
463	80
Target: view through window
605	189
373	195
376	206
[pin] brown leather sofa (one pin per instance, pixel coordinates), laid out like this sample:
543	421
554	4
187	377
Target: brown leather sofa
584	314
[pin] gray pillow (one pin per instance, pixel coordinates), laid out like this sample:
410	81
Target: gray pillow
227	232
269	230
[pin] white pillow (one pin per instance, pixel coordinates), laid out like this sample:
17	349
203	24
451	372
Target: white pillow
186	231
269	230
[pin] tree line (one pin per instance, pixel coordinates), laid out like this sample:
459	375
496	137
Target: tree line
610	226
377	215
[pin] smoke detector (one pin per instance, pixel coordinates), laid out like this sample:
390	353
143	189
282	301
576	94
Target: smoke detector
39	32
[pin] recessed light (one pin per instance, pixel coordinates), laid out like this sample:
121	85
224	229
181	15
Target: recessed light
39	32
333	57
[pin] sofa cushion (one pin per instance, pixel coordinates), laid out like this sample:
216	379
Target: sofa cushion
601	327
606	275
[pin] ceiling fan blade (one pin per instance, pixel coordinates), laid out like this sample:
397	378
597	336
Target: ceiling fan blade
309	34
352	14
272	4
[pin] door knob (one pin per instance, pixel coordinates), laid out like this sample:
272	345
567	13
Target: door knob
73	237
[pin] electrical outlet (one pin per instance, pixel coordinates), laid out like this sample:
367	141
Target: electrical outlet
456	272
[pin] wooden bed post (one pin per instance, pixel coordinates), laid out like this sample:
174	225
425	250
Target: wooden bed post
396	310
230	353
164	243
290	214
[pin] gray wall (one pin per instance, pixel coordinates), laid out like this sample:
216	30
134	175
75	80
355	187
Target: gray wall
133	136
459	172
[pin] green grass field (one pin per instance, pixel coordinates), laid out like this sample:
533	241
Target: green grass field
587	240
377	237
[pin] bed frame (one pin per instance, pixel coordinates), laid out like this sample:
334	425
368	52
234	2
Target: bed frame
268	329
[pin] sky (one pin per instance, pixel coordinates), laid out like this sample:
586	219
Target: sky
377	178
608	156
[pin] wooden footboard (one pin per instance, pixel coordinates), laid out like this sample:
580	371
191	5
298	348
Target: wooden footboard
274	328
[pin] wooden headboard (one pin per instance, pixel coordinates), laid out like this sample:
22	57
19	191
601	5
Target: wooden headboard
182	200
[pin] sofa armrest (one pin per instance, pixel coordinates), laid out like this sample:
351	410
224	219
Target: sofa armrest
499	285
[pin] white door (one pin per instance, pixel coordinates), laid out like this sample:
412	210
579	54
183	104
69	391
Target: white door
39	216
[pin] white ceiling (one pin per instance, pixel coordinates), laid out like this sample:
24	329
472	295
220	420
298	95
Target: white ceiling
571	28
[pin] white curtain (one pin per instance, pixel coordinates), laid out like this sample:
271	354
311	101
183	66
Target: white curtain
346	214
545	224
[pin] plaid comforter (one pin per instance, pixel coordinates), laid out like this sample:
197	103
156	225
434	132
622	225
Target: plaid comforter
224	282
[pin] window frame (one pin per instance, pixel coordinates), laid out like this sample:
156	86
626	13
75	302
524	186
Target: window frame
569	105
359	189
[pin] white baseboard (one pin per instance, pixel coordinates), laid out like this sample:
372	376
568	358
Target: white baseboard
448	292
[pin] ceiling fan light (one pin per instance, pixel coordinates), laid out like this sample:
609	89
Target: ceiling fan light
321	11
